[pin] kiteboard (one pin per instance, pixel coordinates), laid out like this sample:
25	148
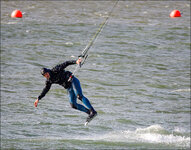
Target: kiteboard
89	119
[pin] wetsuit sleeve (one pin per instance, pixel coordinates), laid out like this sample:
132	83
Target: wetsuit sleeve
63	65
45	90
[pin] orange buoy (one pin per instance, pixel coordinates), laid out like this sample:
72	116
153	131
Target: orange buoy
16	14
175	13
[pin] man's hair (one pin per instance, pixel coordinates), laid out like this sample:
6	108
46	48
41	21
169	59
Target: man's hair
44	70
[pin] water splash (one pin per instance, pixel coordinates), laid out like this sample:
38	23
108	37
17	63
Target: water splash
154	134
182	90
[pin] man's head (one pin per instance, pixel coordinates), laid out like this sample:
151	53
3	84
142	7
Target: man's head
45	72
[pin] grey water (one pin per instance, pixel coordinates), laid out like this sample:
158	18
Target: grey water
137	75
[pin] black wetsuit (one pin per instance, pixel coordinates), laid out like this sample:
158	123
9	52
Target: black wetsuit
58	76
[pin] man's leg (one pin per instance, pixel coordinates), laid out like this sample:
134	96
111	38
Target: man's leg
73	103
80	96
78	93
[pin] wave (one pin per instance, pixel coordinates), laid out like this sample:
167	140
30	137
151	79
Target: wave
154	134
10	22
182	90
152	137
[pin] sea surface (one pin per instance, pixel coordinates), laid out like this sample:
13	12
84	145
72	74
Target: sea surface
137	75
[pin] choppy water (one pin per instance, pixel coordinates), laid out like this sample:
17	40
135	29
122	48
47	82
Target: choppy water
137	75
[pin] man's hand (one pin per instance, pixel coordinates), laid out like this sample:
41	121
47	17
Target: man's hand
79	61
36	103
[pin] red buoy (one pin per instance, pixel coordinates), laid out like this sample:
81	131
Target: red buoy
16	14
175	13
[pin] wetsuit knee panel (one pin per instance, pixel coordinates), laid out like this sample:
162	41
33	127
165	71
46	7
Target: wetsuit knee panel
73	106
79	97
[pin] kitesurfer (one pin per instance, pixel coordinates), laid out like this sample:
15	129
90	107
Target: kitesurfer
58	75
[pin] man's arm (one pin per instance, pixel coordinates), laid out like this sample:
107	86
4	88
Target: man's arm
44	91
63	65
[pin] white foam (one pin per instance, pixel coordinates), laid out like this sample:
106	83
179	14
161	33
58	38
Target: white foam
182	90
179	129
12	22
69	43
152	134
